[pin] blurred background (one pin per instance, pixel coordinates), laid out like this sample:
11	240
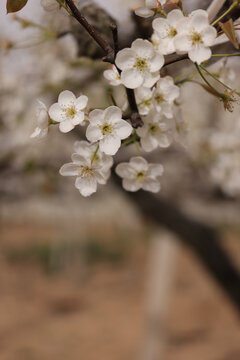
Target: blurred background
115	276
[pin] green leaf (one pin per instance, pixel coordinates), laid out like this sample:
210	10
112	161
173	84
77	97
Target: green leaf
228	29
15	5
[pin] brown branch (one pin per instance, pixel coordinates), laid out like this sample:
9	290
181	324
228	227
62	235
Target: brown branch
108	50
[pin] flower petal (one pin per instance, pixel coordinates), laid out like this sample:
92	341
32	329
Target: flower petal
66	99
112	114
163	140
86	186
131	185
139	163
56	113
81	102
144	12
125	170
151	78
123	129
199	54
96	117
110	144
174	17
66	126
125	59
156	63
93	133
155	170
149	143
69	169
132	78
78	118
209	35
182	43
199	20
80	159
143	48
151	185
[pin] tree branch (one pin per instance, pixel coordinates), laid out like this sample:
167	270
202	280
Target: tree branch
108	50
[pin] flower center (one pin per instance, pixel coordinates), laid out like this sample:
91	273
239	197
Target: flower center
71	112
172	32
153	128
147	103
85	171
141	64
140	175
106	129
196	38
159	98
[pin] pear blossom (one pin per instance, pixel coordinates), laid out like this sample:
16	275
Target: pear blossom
69	110
144	100
164	95
140	64
108	127
113	76
42	121
165	31
89	165
150	7
139	174
154	133
196	37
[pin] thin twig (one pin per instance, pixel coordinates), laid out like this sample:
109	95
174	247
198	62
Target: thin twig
214	8
114	30
108	50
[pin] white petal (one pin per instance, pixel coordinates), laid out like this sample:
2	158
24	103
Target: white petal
69	169
82	147
86	186
100	178
209	35
166	46
144	12
174	17
110	145
182	43
199	20
66	126
96	117
161	26
163	140
150	79
78	118
155	170
80	159
123	129
93	133
56	113
112	114
131	185
151	4
36	133
156	63
149	143
125	170
199	54
143	48
125	59
139	163
81	102
66	99
132	78
142	131
151	185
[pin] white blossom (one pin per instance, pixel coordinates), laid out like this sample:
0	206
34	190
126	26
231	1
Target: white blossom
50	5
150	7
196	37
113	76
69	110
108	127
42	121
89	165
165	31
154	133
144	100
140	64
164	95
139	174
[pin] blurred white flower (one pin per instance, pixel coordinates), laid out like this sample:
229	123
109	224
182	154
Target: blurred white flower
50	5
196	37
155	132
69	110
113	76
144	100
150	7
164	95
108	127
140	64
139	174
165	31
90	165
42	121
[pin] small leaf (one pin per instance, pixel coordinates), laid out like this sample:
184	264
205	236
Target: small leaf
173	4
228	29
15	5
